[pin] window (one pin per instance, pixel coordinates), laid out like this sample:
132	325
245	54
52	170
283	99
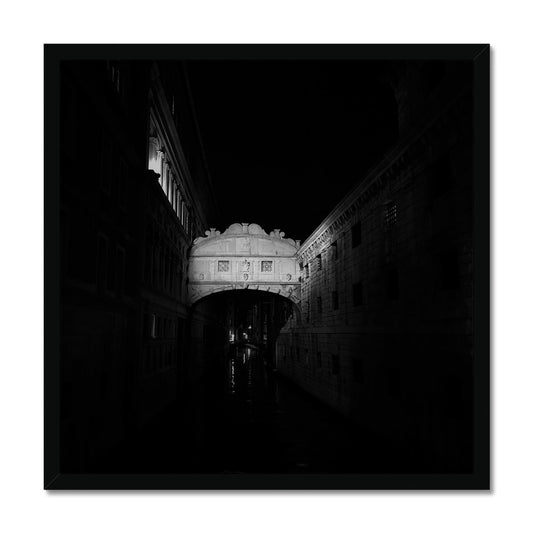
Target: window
356	234
394	382
357	294
319	304
390	215
308	312
171	190
441	176
306	268
170	180
319	262
154	155
175	198
448	270
223	266
391	284
335	365
335	299
319	359
266	266
121	270
101	259
122	183
153	330
358	374
334	250
106	164
114	74
165	178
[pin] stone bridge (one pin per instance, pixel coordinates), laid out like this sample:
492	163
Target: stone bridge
244	257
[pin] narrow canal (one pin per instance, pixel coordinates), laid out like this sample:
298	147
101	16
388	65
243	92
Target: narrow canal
257	423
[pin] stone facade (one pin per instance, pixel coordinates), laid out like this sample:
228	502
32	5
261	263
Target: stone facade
128	215
244	257
385	334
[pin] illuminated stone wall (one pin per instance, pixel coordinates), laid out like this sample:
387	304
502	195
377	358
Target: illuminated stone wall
244	257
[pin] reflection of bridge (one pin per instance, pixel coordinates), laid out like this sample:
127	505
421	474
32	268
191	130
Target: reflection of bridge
244	257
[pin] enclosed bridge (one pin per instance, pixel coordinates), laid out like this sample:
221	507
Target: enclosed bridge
244	257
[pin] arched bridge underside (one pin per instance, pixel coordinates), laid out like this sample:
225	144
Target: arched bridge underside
244	257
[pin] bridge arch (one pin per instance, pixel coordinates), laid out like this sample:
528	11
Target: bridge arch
242	257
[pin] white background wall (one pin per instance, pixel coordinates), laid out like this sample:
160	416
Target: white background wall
25	25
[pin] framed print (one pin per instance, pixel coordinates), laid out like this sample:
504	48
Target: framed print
267	267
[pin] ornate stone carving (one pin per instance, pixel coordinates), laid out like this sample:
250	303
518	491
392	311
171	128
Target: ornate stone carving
249	229
243	256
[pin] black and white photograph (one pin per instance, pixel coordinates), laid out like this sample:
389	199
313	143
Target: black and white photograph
266	267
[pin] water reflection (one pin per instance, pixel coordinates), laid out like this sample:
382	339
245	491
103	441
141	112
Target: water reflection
262	423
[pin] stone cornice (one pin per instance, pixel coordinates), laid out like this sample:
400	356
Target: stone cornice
393	166
245	229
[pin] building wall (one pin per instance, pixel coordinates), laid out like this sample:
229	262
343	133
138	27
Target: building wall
386	318
125	234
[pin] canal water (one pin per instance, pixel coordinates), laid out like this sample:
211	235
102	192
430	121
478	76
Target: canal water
257	422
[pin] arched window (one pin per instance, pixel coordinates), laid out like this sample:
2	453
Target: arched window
171	195
154	154
178	204
164	181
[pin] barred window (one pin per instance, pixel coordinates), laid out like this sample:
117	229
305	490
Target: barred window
266	266
319	262
356	234
390	215
306	271
223	266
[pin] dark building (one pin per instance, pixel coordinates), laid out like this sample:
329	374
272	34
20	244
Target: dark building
378	327
386	311
135	191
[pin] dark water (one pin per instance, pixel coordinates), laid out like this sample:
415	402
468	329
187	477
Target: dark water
255	422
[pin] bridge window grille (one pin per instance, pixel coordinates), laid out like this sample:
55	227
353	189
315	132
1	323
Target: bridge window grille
223	266
319	262
266	266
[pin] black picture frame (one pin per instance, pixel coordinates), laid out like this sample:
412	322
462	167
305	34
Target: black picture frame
479	479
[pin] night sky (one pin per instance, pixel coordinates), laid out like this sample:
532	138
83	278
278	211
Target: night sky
285	140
